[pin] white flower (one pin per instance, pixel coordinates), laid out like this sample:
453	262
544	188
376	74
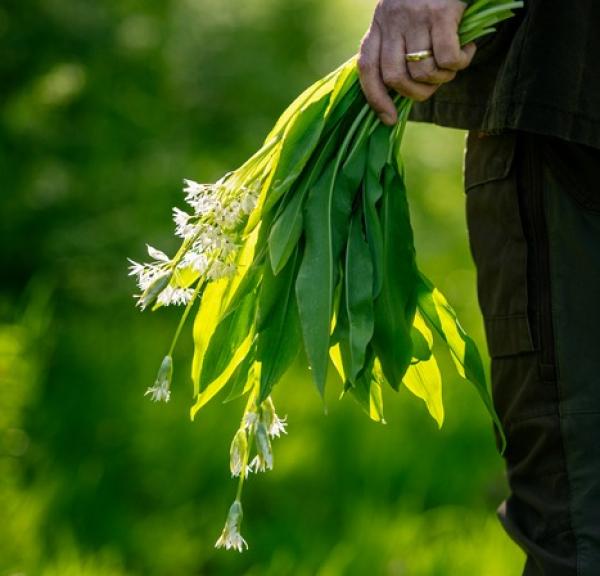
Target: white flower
250	420
231	537
160	392
176	296
192	188
248	203
275	425
220	270
264	458
136	269
157	254
183	228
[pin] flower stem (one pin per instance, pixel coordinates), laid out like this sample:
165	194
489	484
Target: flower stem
184	316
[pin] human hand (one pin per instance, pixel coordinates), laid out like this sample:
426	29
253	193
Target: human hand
400	27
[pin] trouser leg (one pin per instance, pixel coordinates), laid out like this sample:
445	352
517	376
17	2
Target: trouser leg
534	229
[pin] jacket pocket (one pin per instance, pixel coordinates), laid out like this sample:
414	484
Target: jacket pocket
498	242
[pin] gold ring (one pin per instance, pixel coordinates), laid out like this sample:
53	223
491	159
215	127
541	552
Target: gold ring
418	56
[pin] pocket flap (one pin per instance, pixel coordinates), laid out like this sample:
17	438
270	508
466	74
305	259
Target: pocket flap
490	162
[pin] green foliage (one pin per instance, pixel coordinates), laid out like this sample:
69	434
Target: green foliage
104	106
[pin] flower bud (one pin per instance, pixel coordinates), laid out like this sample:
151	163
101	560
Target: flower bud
264	457
161	389
238	453
151	293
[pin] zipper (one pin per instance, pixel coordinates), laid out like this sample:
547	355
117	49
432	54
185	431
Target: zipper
539	271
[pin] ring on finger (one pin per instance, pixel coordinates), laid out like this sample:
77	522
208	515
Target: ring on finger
418	56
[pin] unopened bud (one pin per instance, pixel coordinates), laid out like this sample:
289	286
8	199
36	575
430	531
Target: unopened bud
161	391
238	453
152	292
264	456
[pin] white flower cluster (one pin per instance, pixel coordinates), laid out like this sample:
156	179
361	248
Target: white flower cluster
211	235
263	424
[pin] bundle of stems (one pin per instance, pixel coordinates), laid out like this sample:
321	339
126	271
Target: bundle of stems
307	248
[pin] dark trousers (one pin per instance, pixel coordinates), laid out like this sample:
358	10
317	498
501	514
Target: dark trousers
533	214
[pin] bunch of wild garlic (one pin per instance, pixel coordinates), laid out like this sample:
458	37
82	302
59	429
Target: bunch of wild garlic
308	247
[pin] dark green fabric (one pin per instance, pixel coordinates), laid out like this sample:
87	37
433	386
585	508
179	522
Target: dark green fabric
533	215
539	73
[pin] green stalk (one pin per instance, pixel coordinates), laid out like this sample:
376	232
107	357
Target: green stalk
184	316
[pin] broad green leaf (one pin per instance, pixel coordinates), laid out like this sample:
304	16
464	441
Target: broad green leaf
378	146
396	304
422	338
272	291
327	216
312	93
244	377
367	391
221	297
440	315
424	380
346	80
205	323
207	394
248	264
279	339
358	296
279	345
287	228
335	354
299	141
233	329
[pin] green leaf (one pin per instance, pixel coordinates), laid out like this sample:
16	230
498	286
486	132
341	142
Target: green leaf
312	93
424	380
298	143
327	217
422	338
395	306
279	339
287	228
378	147
440	315
232	330
358	297
208	393
243	377
367	390
205	323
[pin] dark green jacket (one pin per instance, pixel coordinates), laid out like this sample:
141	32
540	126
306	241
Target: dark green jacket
539	73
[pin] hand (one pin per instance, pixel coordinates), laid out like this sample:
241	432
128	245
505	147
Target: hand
403	26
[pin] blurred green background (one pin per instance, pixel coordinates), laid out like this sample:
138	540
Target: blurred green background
104	108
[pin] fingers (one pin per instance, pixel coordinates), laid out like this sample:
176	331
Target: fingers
429	70
446	47
370	75
395	73
402	26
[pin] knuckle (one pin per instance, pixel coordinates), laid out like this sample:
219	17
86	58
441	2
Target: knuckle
438	11
393	78
364	64
448	61
422	76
